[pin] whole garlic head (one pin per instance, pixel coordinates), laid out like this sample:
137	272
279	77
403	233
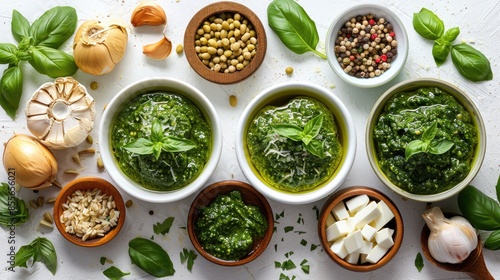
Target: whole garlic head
61	114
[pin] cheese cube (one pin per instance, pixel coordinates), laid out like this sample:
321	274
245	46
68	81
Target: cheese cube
385	217
376	254
368	232
366	215
352	258
338	248
330	219
384	238
339	211
353	241
336	230
356	203
350	225
366	248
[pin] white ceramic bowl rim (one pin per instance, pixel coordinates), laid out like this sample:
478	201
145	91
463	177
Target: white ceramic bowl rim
480	148
401	36
306	197
128	93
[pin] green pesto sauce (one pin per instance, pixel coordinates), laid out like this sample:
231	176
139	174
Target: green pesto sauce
285	164
406	116
227	228
179	117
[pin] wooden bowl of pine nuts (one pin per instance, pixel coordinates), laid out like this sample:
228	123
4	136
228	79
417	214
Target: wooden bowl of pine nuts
225	42
89	211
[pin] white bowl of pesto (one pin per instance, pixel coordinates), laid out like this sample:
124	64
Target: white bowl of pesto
425	139
296	142
160	139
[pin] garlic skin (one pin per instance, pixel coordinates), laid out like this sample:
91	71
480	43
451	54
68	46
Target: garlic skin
99	46
33	163
148	13
450	240
61	114
159	50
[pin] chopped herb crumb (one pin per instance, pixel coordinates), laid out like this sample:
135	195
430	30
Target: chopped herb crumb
315	208
288	229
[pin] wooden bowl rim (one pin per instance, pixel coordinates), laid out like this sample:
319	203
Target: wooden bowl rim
377	195
217	8
85	183
207	195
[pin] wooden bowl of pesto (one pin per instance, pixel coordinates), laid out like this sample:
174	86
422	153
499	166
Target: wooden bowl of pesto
425	139
296	142
236	211
225	42
160	139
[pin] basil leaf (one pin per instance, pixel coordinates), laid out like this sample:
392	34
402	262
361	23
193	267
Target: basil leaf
493	241
11	89
497	187
471	63
188	255
440	147
150	257
13	211
20	26
451	34
419	262
414	147
289	131
315	147
8	54
430	132
174	144
440	51
54	27
140	146
157	149
163	228
428	24
293	26
156	131
114	273
41	250
479	209
313	126
51	62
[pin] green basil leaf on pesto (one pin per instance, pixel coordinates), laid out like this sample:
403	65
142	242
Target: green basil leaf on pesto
306	135
427	144
140	146
428	24
313	126
289	131
174	144
430	133
156	131
315	147
440	147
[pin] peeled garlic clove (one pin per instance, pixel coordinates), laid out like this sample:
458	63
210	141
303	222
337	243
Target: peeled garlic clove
158	50
33	163
148	13
61	114
99	46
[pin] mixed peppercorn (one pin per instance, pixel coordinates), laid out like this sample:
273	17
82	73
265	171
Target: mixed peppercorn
366	46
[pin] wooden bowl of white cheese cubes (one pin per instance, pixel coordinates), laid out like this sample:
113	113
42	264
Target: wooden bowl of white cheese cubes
360	228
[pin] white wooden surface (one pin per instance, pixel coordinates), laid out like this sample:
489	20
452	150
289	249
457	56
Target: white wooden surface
479	23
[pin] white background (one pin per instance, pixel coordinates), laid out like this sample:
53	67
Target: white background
479	23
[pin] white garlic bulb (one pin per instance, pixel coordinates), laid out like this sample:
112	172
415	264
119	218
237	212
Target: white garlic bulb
451	240
61	114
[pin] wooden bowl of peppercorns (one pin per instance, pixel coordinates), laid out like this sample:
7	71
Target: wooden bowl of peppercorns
367	45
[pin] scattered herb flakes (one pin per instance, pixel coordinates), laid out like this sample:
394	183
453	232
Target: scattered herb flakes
284	277
189	256
275	229
288	265
419	262
288	229
300	220
304	266
278	216
300	232
277	264
276	247
103	260
303	242
114	273
315	208
288	254
313	247
183	228
163	228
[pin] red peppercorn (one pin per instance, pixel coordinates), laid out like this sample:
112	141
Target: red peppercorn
392	34
352	57
374	36
383	57
371	22
377	60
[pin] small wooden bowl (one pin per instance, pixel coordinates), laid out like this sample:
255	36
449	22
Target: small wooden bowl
83	184
396	224
251	197
197	21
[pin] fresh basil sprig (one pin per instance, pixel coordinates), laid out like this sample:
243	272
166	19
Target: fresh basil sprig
114	273
150	257
189	256
159	142
470	63
13	211
38	45
293	26
427	145
306	135
41	250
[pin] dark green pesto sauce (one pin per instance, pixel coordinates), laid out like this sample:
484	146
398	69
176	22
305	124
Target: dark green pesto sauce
285	164
406	116
179	117
227	228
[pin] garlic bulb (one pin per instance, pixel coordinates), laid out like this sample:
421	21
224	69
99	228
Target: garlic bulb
451	240
148	13
159	50
34	164
99	46
61	114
